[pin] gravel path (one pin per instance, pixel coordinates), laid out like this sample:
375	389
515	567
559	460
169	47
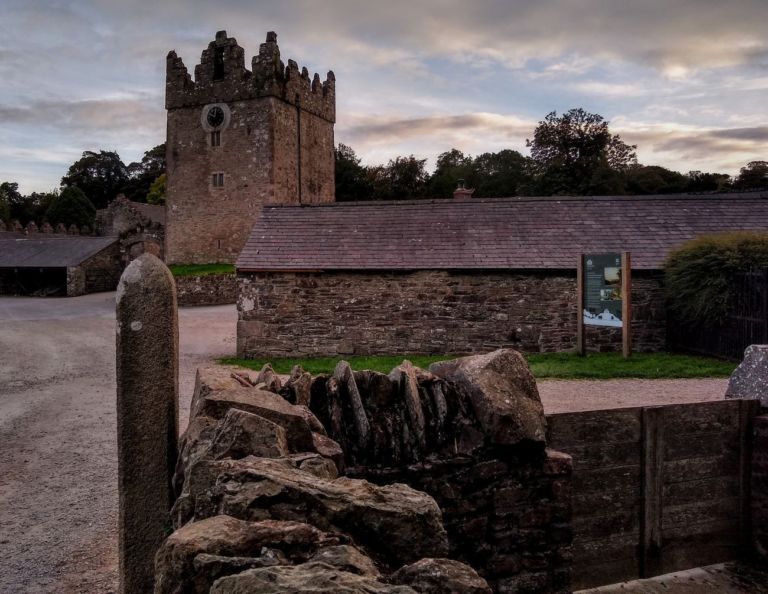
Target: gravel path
579	395
58	454
58	469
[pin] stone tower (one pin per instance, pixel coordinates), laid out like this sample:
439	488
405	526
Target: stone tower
238	139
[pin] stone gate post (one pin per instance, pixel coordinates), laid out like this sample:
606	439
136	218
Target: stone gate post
147	415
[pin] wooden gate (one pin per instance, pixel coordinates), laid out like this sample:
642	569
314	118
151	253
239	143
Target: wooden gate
656	489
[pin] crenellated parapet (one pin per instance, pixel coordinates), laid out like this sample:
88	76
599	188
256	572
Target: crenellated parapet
221	77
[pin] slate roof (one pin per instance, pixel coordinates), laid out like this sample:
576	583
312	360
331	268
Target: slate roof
42	251
490	233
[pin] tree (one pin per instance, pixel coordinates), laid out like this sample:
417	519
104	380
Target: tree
101	176
71	207
352	180
400	179
142	174
752	177
652	179
156	194
569	152
708	182
9	196
496	175
451	166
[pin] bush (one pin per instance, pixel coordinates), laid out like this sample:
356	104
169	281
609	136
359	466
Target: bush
700	274
71	207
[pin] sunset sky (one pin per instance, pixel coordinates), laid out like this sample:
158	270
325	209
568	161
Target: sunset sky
687	81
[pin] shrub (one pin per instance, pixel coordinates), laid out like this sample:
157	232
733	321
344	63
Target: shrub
71	207
700	274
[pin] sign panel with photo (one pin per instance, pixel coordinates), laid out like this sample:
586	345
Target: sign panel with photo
602	290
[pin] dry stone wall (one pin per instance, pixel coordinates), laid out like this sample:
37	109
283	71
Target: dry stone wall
375	312
412	482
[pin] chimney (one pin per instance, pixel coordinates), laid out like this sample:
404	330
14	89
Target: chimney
463	192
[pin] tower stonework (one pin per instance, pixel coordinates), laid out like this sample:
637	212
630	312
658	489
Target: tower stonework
238	139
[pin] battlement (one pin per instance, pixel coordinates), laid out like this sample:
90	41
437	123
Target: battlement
221	77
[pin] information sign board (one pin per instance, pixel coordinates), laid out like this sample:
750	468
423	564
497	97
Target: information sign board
602	290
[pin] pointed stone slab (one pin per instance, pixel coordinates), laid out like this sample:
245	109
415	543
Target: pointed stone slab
147	415
353	402
405	377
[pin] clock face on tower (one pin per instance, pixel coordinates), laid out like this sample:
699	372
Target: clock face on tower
215	117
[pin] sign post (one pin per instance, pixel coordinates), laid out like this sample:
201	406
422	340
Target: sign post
604	296
626	304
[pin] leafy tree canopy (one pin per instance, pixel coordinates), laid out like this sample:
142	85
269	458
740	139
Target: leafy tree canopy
101	176
156	194
352	180
401	178
752	177
572	152
142	174
71	207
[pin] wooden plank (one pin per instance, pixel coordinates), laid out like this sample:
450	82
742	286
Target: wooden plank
596	502
679	556
704	509
605	525
677	471
721	487
599	426
625	479
602	550
626	304
604	455
747	412
650	520
679	446
702	417
725	530
705	543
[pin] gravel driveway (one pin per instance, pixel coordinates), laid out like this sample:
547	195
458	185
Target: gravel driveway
58	468
58	454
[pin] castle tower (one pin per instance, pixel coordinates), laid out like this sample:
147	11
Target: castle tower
238	139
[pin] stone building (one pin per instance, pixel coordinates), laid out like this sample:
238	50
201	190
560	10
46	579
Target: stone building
462	275
140	227
49	264
238	139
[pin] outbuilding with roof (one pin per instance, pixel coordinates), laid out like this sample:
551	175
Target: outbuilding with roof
460	275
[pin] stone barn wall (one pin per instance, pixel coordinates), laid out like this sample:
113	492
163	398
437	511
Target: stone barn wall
206	289
101	272
376	312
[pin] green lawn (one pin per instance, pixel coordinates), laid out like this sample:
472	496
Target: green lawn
201	269
543	365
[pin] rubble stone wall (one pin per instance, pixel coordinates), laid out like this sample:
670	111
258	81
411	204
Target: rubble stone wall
206	289
102	271
377	312
415	482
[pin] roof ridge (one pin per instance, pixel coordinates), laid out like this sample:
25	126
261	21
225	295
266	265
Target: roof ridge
687	197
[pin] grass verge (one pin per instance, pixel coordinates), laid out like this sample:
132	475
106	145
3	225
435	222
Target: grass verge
201	269
543	365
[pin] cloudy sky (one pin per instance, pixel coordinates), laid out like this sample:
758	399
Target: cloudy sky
685	80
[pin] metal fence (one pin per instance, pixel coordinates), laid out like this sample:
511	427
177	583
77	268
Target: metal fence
746	324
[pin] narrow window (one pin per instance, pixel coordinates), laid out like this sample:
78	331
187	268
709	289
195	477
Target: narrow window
218	64
217	180
216	138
